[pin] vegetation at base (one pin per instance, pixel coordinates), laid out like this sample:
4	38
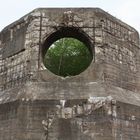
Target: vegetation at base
67	57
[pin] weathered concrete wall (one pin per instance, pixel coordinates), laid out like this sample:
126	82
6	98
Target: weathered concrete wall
116	46
101	103
100	119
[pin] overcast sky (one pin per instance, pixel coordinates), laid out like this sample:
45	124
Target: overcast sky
126	10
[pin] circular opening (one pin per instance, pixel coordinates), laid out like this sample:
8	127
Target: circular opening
67	53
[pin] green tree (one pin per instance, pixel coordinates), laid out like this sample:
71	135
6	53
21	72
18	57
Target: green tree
67	57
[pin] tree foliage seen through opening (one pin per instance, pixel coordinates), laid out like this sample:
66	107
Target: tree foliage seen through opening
67	57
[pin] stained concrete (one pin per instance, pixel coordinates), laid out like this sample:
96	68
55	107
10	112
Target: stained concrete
101	103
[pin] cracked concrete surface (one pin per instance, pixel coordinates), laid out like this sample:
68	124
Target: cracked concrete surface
101	103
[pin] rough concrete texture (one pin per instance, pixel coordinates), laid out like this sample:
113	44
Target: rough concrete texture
101	103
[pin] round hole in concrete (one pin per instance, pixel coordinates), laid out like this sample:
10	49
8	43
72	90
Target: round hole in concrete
67	52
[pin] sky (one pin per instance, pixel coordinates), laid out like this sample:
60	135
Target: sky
126	10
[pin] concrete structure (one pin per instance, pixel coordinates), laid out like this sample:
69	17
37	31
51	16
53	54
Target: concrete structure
101	103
